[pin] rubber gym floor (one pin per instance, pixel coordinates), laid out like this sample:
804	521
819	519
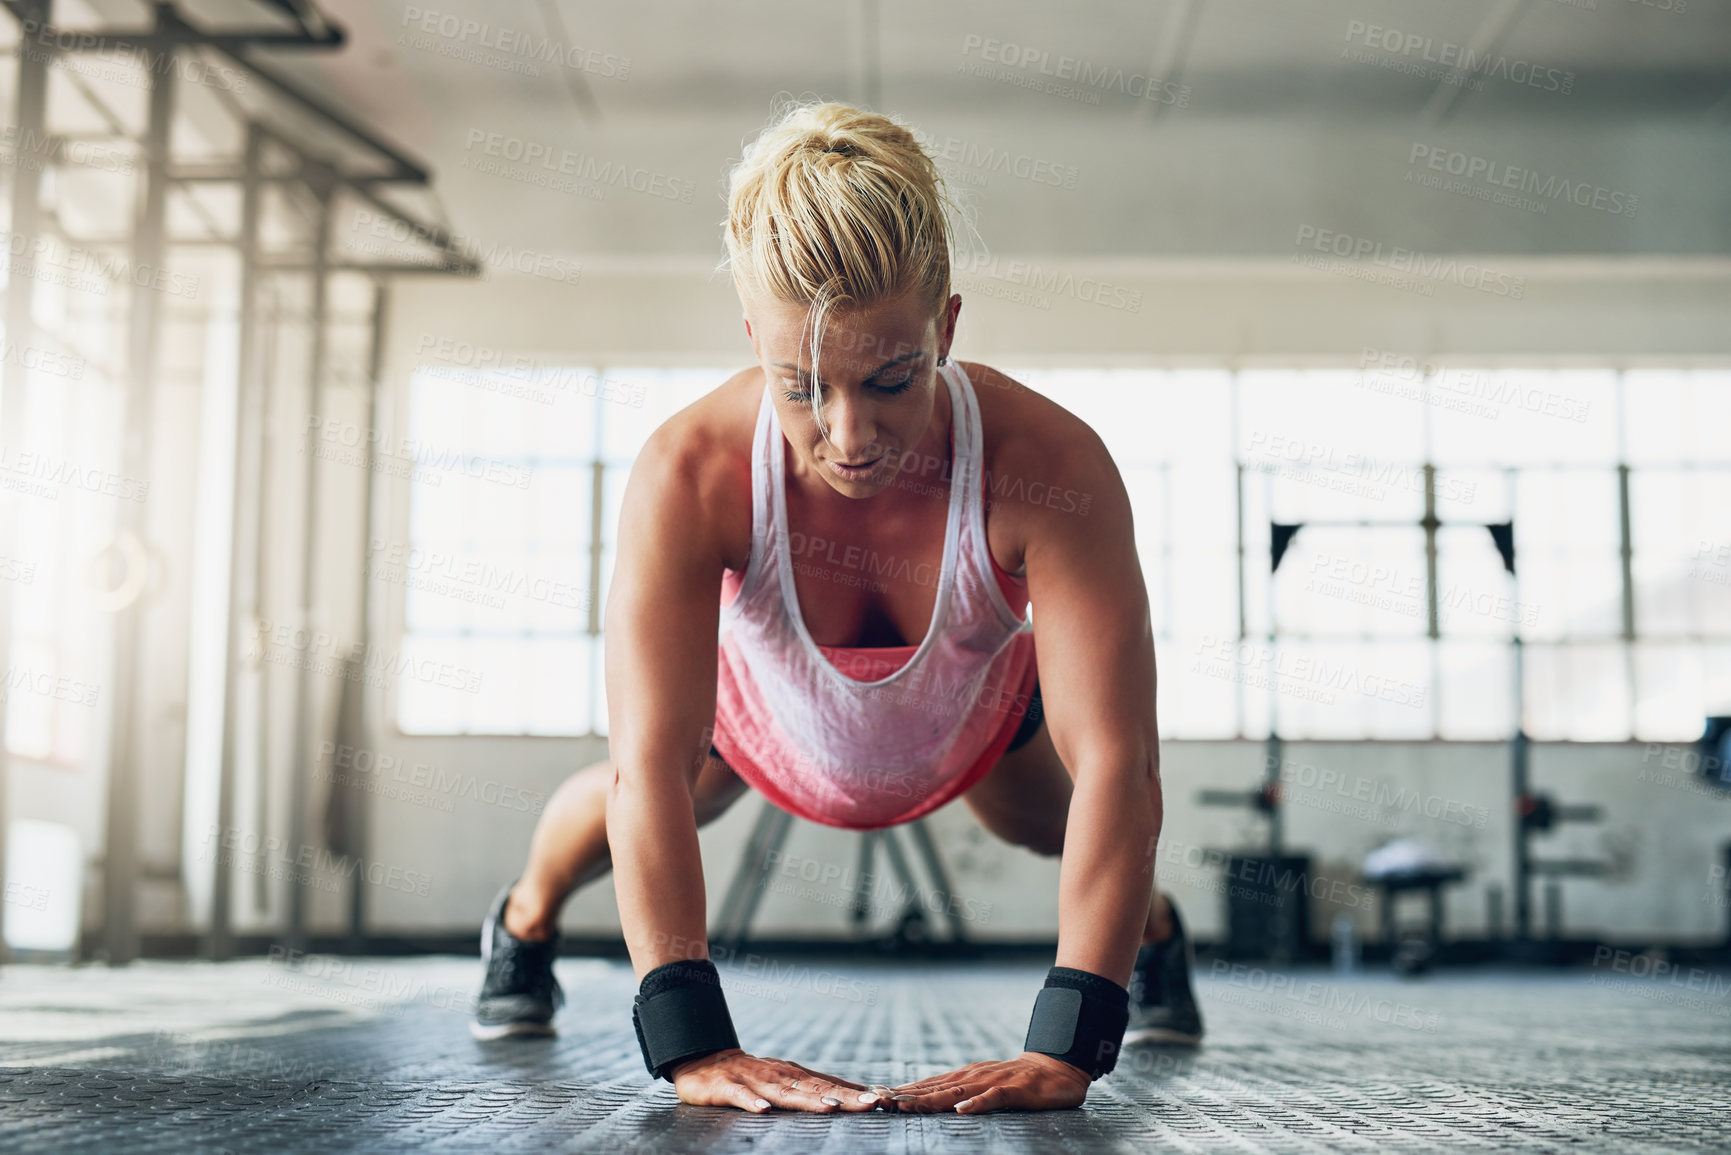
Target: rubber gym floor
347	1054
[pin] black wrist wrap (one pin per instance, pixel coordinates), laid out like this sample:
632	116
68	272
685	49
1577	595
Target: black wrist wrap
1080	1018
680	1013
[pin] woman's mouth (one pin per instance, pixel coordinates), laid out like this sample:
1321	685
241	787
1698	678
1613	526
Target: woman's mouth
857	472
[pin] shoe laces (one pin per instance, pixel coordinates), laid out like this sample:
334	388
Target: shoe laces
1146	988
526	968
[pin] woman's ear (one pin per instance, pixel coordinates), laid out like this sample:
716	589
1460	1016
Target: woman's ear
752	337
947	326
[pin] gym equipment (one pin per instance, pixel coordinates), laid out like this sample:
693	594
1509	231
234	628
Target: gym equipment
763	850
1715	750
1536	813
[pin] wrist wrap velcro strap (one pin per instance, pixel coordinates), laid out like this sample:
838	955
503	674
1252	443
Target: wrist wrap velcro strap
1080	1018
680	1013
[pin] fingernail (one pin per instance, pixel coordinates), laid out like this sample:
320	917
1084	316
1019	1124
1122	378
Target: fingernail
762	1104
867	1097
832	1102
879	1089
901	1098
963	1103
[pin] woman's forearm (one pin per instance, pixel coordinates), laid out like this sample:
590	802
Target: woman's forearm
1104	887
657	868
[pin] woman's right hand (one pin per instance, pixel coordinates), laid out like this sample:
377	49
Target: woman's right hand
732	1078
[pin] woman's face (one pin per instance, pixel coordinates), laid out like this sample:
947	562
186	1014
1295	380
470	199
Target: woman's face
879	379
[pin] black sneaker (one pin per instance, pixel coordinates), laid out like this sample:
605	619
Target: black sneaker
1162	1004
518	993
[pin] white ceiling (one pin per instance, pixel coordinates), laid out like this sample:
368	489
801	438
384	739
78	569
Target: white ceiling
1277	131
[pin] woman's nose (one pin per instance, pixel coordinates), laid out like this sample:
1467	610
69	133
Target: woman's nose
852	430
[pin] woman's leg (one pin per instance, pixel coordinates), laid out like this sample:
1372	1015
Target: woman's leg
1025	800
569	847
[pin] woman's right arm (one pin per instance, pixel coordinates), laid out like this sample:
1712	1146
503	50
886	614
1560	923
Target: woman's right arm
663	612
661	620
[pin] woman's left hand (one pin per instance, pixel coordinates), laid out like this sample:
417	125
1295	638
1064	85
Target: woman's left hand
1032	1082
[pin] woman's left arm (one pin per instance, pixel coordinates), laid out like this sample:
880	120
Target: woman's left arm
1096	655
1096	652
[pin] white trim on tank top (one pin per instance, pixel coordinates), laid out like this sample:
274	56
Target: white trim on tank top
946	572
773	514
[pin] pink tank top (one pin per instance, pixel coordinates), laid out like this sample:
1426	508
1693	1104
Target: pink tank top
866	737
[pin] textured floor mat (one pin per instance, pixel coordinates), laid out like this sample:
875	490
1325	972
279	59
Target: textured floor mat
374	1055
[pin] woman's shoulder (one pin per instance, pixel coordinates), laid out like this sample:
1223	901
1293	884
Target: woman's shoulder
1043	464
703	452
713	430
1023	426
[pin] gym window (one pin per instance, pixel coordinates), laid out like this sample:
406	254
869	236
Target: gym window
516	478
1339	641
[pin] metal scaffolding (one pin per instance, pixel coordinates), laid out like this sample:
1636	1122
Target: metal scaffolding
298	154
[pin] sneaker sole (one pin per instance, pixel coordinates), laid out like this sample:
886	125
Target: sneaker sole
1160	1035
488	1033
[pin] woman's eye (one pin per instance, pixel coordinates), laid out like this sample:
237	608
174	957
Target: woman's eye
793	393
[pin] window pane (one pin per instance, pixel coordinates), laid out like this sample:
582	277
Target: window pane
1567	509
1339	582
496	574
1475	594
612	499
557	693
1476	691
1203	594
1203	506
1567	553
1149	494
564	429
1327	420
1345	689
1193	417
1145	415
485	558
1258	577
638	400
1324	452
1193	699
512	686
1200	506
1681	526
1577	693
1674	416
559	512
1524	417
431	705
1671	699
1677	686
1475	496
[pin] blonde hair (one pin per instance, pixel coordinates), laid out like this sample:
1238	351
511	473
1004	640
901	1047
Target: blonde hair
835	208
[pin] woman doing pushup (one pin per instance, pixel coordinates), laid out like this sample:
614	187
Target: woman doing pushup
863	522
